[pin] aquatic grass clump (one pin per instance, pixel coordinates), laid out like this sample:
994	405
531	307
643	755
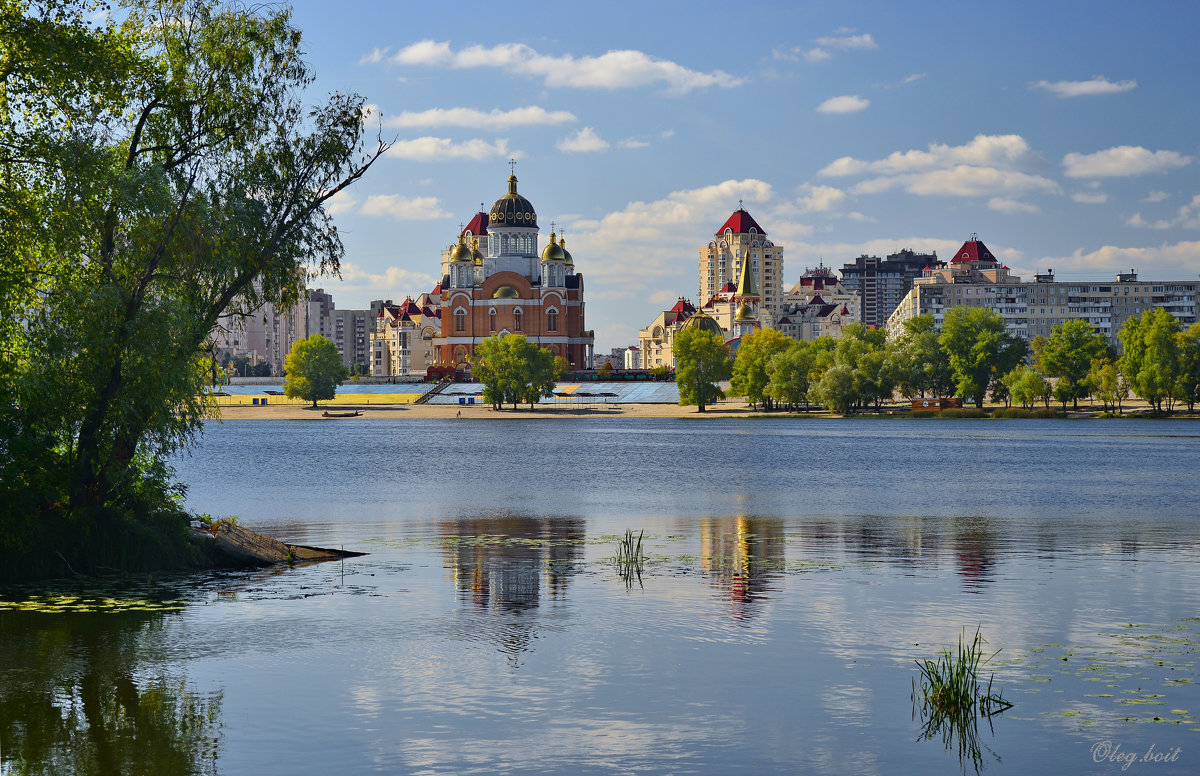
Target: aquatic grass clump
950	698
630	557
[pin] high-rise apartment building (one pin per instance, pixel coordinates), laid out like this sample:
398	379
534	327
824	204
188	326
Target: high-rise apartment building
882	283
739	239
975	278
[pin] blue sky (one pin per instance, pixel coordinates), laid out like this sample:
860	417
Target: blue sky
1064	134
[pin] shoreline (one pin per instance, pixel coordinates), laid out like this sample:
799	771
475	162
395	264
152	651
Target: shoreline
729	408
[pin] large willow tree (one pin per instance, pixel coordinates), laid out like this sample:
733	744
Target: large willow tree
159	169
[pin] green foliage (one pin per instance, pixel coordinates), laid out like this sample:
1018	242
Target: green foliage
836	390
701	361
1026	414
314	370
514	370
1109	385
963	413
1068	355
1026	386
160	172
788	372
1187	383
750	376
630	557
1151	358
918	363
979	348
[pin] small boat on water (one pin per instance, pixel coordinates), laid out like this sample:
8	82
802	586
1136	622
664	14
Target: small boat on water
328	414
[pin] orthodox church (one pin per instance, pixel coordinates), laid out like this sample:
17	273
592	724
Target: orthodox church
495	282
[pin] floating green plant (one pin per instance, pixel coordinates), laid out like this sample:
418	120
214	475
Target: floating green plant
630	557
950	698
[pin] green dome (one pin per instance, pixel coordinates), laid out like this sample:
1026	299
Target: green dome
512	209
506	292
704	323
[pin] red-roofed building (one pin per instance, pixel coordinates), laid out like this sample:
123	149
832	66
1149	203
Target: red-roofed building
721	264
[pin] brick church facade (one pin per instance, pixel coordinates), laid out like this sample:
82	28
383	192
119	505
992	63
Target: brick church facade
495	282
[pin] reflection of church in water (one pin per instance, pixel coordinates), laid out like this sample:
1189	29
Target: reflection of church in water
506	566
741	556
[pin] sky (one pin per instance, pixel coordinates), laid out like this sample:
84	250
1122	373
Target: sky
1063	134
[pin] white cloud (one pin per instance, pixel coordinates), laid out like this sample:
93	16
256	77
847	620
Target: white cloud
1188	217
1097	85
1012	206
374	57
403	208
393	283
667	133
1156	196
1090	197
584	141
613	70
796	53
984	150
864	41
820	199
342	202
632	142
531	115
1122	161
962	181
912	79
988	165
433	149
850	103
1156	262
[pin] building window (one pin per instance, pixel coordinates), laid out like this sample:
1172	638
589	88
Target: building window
492	319
517	320
460	320
552	320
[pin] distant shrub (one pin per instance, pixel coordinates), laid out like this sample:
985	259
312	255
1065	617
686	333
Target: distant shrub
1021	413
962	413
924	414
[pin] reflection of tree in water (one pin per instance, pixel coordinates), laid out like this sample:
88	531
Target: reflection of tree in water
499	564
975	554
74	698
741	556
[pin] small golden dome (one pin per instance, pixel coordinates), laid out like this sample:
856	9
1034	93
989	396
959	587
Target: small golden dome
462	252
562	243
745	312
476	256
552	251
506	292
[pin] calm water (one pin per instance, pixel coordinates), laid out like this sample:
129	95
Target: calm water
797	569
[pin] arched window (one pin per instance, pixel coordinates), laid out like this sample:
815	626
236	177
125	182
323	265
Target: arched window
552	320
460	320
504	244
517	319
492	318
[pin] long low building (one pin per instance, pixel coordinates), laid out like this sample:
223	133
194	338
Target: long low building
974	278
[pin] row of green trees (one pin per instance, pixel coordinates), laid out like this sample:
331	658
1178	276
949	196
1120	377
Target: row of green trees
973	356
161	170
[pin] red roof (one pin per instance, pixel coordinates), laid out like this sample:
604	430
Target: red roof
478	225
436	290
728	288
740	222
683	306
973	250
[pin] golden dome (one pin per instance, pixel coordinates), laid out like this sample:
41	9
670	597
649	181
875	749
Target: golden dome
566	253
512	209
476	256
745	312
506	292
552	251
704	323
462	252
